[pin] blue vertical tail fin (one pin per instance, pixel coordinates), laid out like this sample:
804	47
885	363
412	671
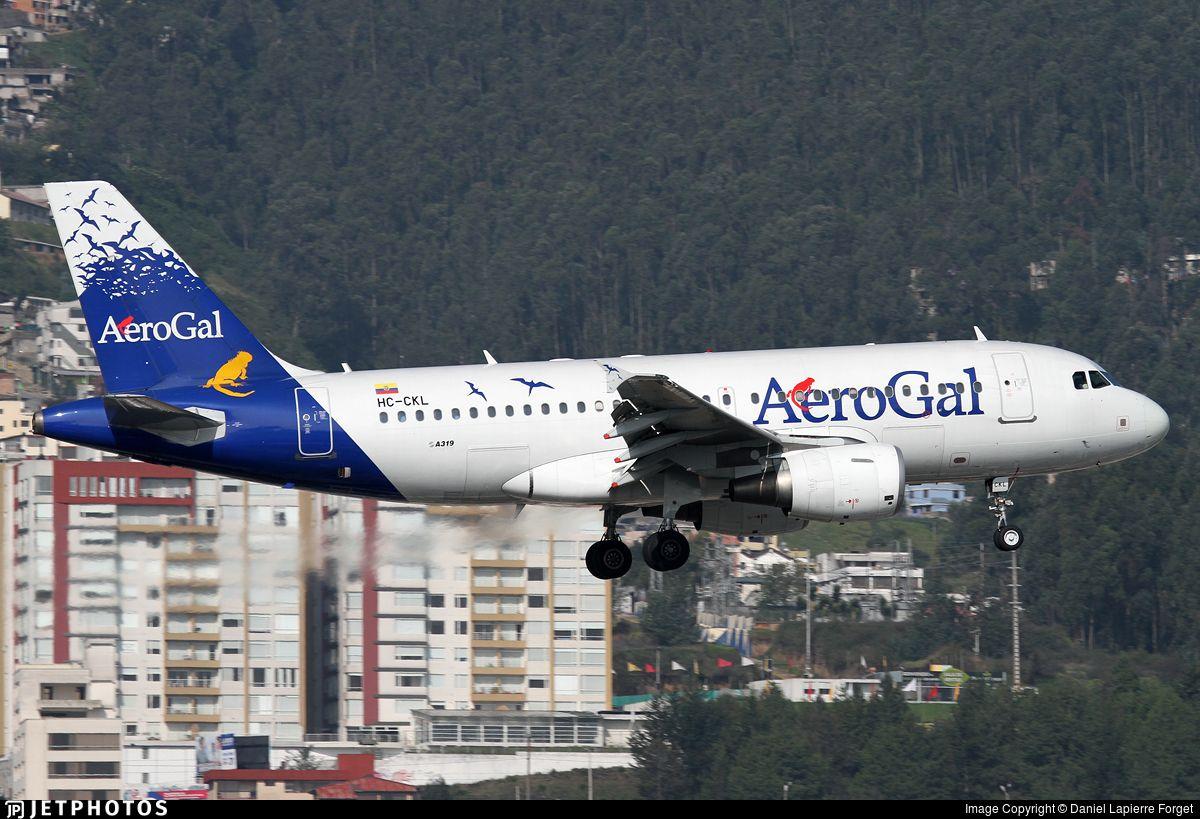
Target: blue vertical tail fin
152	321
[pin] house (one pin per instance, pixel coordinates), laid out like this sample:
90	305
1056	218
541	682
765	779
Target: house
355	772
925	499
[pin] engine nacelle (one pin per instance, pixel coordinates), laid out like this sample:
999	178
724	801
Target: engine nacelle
836	483
729	518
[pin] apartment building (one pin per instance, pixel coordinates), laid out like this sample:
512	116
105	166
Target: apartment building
455	611
67	738
243	608
179	573
890	576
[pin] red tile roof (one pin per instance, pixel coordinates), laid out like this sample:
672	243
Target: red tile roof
367	784
350	766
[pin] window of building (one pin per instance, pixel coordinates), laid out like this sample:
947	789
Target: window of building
354	682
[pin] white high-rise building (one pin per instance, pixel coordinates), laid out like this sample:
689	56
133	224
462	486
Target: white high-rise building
463	610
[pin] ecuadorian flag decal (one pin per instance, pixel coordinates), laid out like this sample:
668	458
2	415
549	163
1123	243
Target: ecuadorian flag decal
389	388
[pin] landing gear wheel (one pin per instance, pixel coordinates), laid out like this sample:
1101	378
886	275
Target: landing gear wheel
666	550
608	559
1008	538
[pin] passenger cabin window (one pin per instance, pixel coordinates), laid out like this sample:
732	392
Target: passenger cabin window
401	416
582	407
474	412
491	412
454	414
1080	379
1098	380
419	415
383	417
437	415
726	400
753	398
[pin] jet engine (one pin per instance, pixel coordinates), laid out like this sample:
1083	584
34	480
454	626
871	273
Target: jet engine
836	483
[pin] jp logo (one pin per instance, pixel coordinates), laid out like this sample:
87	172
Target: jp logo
907	395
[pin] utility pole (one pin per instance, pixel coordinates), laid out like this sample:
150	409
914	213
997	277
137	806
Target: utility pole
528	763
658	669
591	792
979	603
1016	625
808	668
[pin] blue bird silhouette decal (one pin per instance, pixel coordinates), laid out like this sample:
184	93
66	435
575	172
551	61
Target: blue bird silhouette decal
129	233
109	218
73	235
609	368
98	248
110	204
87	220
475	391
531	384
91	197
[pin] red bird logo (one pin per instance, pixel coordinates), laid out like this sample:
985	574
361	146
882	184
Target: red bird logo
799	391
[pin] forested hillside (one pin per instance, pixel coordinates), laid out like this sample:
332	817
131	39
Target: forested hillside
573	179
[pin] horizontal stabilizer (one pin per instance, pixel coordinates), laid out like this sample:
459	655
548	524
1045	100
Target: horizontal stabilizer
179	426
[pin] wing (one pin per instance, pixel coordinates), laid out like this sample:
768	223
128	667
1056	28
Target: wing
665	425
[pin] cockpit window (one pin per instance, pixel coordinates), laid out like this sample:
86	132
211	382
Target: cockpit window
1080	379
1109	378
1098	380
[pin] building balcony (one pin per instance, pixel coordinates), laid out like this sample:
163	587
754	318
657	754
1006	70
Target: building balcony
174	689
479	642
76	707
206	636
497	697
486	670
190	718
191	608
497	617
484	563
167	528
191	662
496	591
192	582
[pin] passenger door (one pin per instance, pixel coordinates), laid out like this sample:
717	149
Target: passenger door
1016	389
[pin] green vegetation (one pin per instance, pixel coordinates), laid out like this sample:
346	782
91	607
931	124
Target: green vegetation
1129	738
607	783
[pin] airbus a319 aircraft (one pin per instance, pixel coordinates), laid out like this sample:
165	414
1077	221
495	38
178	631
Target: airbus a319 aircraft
738	443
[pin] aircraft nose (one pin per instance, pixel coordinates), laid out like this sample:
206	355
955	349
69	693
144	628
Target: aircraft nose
1155	420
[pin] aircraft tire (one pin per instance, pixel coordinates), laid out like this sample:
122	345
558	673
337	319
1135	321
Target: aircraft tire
1008	538
608	559
665	551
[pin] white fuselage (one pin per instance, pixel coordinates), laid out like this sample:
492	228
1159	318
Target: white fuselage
957	410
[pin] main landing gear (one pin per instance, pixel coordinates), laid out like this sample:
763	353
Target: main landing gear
1007	538
609	558
665	550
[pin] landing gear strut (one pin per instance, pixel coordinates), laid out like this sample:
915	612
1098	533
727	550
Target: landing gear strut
666	549
608	558
1007	538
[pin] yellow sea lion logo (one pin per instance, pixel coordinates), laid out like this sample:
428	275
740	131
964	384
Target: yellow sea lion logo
232	375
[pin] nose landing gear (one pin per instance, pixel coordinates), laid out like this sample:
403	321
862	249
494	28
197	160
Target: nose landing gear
1006	538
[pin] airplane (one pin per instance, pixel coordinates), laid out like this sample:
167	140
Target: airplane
758	442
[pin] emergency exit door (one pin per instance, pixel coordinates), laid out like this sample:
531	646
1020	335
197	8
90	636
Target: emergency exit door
314	426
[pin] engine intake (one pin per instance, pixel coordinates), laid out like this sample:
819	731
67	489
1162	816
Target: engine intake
838	483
